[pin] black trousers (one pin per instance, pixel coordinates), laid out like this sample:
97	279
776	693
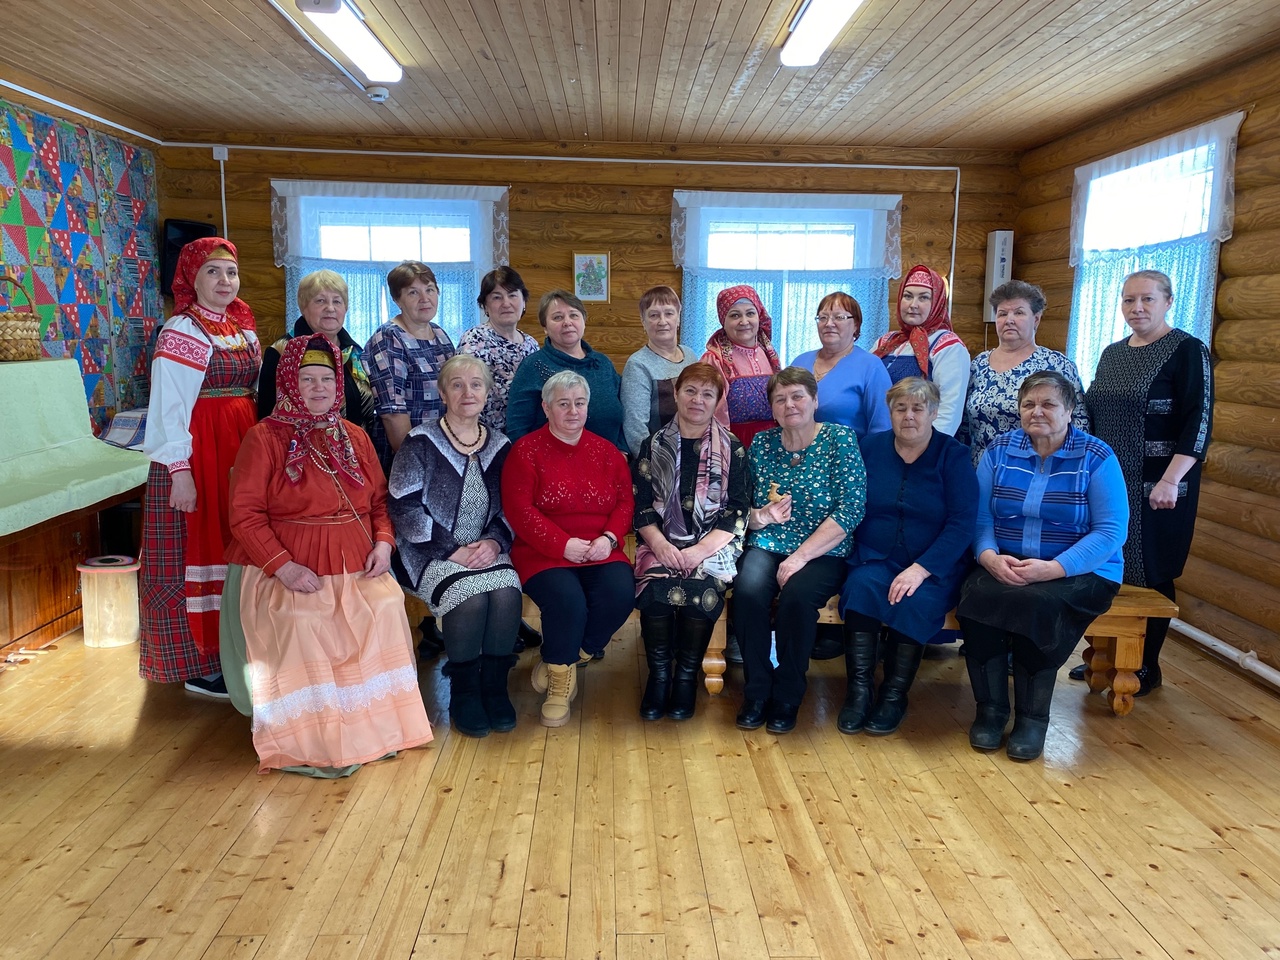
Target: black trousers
799	601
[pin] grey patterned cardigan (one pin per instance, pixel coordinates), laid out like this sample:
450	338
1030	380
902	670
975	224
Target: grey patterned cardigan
425	492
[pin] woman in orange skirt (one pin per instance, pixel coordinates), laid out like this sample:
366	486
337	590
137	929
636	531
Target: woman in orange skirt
320	654
202	383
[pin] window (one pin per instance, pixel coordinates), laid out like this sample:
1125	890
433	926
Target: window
794	249
362	230
1164	206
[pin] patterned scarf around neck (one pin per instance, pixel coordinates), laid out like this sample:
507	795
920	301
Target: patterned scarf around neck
710	496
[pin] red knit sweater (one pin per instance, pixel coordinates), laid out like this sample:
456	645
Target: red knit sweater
552	491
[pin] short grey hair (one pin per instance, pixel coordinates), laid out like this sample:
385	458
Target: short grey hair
564	381
1065	389
915	388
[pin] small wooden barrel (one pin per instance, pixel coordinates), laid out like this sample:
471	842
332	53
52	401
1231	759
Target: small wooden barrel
109	596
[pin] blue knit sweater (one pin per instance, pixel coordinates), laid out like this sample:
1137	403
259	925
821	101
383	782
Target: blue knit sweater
1071	507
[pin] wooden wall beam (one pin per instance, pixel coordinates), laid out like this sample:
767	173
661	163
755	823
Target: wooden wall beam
1254	513
1226	625
1244	596
1247	468
1244	381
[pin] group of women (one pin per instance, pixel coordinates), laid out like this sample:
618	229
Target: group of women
504	469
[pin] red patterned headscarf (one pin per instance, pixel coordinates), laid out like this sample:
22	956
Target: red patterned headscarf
291	409
190	260
939	318
719	342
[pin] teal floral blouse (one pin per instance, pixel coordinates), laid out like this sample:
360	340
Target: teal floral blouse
829	481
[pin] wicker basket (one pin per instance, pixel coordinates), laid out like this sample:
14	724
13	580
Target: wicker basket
19	330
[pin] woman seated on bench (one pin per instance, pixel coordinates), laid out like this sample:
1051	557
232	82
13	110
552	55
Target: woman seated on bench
909	553
1052	518
315	643
690	481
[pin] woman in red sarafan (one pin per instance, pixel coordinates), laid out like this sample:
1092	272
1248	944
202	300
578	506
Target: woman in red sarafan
202	404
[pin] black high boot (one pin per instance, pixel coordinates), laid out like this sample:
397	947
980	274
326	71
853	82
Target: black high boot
900	666
860	648
657	633
692	636
1032	695
493	691
990	682
466	711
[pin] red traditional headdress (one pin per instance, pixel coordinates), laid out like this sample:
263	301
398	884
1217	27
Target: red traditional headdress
939	317
190	260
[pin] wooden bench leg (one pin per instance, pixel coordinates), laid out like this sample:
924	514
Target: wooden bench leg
713	662
1123	678
1097	660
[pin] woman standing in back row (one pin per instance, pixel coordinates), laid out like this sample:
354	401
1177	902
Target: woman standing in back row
206	364
1151	400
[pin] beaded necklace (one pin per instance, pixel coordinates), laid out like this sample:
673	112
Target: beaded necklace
467	448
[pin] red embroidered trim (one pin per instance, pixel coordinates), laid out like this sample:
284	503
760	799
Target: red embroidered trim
183	349
178	466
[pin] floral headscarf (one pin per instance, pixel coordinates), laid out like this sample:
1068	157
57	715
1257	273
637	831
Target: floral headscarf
719	342
190	260
939	318
291	409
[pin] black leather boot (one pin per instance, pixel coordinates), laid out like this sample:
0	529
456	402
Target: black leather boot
860	673
990	682
693	634
466	711
493	691
657	633
1032	695
528	637
900	666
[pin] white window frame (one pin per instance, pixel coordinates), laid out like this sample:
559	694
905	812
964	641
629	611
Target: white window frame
299	206
1182	241
876	219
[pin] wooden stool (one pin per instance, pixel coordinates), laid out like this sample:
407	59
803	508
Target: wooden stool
109	599
1116	640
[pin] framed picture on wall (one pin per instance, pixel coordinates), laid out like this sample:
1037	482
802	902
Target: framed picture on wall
591	277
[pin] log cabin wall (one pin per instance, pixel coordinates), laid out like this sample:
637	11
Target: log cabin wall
1231	584
560	204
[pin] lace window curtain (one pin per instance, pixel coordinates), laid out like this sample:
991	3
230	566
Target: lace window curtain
790	295
302	211
1166	205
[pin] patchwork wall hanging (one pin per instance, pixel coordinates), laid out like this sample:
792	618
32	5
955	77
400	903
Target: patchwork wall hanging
78	227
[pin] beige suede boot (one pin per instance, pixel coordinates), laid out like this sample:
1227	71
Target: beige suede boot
562	686
538	677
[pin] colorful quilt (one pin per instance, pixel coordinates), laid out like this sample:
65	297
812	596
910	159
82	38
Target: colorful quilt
78	227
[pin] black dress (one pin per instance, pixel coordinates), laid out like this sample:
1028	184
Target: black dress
1150	403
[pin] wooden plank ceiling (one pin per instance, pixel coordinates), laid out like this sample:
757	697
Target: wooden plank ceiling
1003	74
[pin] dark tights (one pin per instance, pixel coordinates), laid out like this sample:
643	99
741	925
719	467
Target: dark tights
486	623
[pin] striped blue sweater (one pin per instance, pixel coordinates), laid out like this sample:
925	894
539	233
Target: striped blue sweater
1070	507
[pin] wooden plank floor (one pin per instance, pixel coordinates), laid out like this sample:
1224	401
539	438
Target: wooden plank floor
133	823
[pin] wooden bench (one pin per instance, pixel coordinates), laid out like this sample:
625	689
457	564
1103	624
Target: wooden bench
1111	659
55	477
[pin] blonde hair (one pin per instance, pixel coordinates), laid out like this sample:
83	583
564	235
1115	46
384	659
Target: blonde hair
316	282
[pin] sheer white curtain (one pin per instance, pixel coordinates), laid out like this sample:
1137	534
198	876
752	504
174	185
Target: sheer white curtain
362	230
794	249
1166	205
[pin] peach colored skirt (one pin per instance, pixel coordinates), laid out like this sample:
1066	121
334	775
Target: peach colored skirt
333	676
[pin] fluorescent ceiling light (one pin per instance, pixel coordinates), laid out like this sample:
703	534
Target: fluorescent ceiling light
349	33
818	24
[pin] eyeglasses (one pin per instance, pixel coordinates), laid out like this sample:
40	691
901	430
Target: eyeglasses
837	317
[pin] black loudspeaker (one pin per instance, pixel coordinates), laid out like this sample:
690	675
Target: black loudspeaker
177	234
